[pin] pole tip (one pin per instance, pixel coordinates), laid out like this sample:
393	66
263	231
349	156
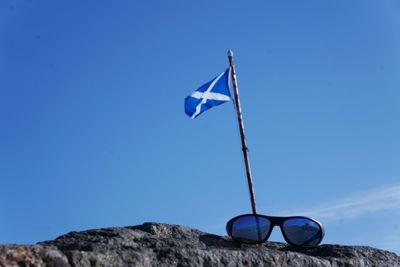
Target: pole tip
230	53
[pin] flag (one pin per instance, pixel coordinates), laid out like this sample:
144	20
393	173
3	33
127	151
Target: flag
213	93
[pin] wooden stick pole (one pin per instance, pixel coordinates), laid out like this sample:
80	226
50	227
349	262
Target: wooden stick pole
242	135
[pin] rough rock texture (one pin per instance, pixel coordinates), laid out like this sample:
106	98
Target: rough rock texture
155	244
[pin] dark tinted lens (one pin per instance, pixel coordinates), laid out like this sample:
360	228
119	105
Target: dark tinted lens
302	232
250	229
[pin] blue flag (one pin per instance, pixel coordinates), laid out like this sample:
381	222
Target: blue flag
213	93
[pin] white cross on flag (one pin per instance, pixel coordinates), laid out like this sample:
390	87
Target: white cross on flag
213	93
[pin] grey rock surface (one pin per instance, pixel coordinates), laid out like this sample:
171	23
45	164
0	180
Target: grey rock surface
155	244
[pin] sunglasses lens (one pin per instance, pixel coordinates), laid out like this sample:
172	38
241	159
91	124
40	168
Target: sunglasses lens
250	229
302	232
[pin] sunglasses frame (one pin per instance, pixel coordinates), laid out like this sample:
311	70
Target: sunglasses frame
275	221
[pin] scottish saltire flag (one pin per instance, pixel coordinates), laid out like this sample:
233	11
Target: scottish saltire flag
213	93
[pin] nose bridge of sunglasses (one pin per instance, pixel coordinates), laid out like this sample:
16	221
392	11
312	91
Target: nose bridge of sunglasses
275	220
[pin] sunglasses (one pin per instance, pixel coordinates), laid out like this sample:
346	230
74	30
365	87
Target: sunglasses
255	229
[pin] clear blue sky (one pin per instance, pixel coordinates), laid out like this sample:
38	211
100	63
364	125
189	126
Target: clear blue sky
93	132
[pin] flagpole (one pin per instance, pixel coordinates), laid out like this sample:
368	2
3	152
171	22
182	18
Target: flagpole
242	135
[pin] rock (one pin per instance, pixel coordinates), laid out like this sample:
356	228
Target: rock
155	244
